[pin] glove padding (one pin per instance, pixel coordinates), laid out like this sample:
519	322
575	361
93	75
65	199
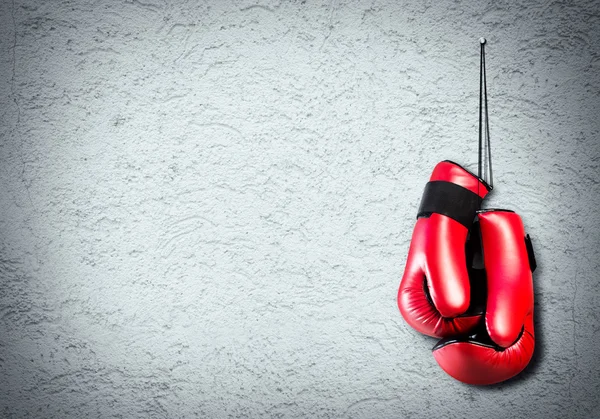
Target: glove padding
504	346
435	295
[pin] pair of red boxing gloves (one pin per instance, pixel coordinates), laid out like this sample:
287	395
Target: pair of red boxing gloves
468	280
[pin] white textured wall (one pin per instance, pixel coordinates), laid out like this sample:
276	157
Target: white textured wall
206	207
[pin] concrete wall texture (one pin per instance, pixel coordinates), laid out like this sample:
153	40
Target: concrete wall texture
206	207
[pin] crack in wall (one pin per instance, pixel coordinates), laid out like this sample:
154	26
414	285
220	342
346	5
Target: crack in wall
16	129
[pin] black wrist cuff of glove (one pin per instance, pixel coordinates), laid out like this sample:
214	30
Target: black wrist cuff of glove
451	200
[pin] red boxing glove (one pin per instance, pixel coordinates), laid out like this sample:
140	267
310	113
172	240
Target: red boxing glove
435	291
505	347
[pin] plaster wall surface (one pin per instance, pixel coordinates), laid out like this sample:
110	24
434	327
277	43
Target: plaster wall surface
206	207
